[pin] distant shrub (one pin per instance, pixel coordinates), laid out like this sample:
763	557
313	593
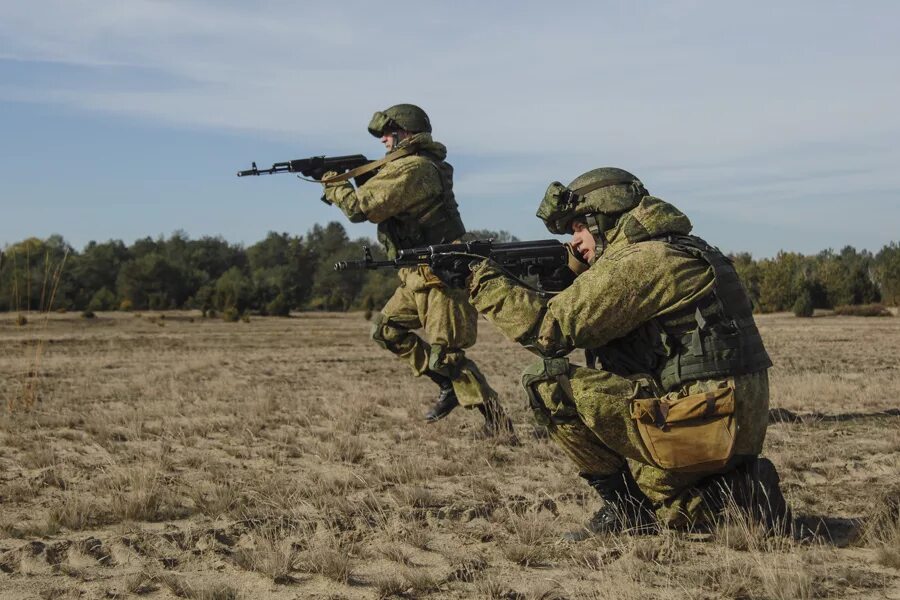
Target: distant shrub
803	305
21	320
231	315
103	299
211	313
245	318
278	307
863	310
126	304
87	314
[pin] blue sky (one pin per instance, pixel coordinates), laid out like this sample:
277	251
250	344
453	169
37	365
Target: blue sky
773	125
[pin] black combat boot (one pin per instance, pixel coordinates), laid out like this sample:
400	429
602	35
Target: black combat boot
496	421
752	489
446	401
625	508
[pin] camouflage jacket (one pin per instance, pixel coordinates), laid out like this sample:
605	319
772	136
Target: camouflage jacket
656	301
626	286
410	198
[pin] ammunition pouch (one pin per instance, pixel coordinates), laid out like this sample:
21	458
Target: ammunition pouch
688	433
437	224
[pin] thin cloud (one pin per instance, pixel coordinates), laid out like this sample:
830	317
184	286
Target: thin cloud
702	95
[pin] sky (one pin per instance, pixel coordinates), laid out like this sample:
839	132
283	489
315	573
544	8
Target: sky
773	125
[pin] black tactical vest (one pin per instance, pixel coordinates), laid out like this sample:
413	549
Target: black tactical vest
436	223
715	338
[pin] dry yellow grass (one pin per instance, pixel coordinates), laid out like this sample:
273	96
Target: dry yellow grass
286	458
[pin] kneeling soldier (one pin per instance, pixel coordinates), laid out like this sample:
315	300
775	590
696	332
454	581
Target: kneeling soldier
671	408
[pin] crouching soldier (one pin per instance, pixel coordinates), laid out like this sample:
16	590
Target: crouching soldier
667	418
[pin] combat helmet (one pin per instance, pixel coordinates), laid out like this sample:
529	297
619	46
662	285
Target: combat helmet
407	117
599	197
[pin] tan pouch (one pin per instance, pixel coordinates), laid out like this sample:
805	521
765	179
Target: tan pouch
692	433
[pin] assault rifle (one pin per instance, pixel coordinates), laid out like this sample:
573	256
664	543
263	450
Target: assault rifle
311	167
545	261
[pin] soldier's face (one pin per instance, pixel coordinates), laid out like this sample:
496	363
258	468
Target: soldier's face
387	138
583	241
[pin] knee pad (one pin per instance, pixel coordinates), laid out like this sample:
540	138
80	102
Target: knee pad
556	404
377	333
384	333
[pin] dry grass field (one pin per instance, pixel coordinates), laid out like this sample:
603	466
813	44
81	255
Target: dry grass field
164	456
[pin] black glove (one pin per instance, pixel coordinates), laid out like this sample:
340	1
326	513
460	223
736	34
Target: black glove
452	269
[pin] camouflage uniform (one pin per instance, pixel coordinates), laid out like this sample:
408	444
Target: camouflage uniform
653	296
411	200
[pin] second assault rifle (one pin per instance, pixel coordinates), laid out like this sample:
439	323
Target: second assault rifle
543	261
312	167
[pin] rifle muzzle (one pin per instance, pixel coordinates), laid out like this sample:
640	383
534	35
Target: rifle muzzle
251	171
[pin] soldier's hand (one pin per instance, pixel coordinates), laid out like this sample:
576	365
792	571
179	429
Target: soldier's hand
453	270
327	175
325	190
575	261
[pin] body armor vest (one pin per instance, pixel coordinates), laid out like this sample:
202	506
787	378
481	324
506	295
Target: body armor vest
714	338
437	221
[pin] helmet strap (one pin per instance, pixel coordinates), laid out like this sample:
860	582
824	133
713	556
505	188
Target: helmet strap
593	225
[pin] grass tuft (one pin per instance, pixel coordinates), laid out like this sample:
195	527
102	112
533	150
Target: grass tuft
270	553
863	310
328	554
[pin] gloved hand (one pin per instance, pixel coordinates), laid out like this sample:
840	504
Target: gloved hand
326	175
325	191
452	269
576	262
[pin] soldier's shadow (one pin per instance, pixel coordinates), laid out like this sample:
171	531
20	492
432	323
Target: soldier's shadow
835	531
783	415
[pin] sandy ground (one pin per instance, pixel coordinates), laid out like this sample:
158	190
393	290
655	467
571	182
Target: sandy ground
171	456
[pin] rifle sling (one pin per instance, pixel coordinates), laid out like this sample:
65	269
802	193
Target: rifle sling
371	166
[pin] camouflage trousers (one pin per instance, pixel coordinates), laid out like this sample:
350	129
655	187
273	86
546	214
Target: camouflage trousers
588	414
449	322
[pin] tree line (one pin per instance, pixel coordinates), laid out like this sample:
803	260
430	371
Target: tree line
271	277
829	279
284	272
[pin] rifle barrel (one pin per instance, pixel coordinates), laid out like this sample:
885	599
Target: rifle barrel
358	265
